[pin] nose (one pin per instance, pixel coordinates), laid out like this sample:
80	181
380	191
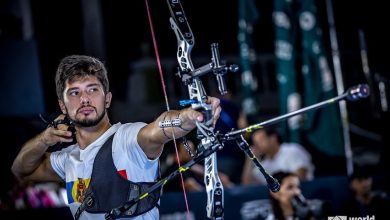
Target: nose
84	99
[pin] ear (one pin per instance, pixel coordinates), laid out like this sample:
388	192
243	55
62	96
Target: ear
108	98
62	106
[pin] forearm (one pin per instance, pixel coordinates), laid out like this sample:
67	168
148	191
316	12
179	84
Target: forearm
152	137
173	132
30	157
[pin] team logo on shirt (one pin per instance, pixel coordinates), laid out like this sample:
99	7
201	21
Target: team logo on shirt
76	190
81	189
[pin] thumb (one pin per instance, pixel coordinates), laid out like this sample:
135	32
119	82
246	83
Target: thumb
195	116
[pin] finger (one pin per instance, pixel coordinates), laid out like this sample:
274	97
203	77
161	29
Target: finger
60	117
215	102
62	136
190	115
217	114
63	139
62	133
197	116
51	136
62	127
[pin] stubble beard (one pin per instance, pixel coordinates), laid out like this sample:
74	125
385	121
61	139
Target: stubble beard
88	122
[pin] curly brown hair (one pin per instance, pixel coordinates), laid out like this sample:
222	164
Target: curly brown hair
74	67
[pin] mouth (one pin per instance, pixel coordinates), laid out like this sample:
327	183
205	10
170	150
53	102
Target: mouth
86	110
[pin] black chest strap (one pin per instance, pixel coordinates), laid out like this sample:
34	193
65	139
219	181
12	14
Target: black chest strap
108	189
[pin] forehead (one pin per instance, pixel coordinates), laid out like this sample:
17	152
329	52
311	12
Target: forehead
81	80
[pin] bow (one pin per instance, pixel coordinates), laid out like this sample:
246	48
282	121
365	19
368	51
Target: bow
209	141
197	99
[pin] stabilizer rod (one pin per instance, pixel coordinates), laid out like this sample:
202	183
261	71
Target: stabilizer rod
352	94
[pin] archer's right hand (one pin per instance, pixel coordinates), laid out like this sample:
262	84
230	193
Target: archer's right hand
53	135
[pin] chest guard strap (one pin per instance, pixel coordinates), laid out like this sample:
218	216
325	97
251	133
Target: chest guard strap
108	190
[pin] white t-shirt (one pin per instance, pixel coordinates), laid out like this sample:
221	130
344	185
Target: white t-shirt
289	158
74	165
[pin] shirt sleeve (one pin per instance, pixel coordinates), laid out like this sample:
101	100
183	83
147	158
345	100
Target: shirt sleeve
127	139
300	158
58	160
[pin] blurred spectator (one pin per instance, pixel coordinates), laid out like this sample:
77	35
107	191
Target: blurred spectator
282	207
365	201
28	195
192	181
276	156
289	203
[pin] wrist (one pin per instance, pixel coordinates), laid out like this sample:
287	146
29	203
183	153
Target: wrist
174	124
42	141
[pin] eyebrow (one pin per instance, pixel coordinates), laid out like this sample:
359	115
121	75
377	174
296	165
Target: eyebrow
89	85
94	84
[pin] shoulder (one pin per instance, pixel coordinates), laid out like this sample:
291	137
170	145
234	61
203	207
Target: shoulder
127	130
291	151
125	138
291	144
130	127
293	147
65	151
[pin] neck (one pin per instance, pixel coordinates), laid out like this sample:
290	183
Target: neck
86	135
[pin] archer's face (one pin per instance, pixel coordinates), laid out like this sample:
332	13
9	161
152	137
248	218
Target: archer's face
85	101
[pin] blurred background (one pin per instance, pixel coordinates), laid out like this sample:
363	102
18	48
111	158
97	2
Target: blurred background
350	41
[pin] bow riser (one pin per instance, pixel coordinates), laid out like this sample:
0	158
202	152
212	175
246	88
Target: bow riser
198	100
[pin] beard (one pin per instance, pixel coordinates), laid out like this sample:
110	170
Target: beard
88	122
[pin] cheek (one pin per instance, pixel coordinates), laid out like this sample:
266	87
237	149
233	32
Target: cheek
71	101
289	195
70	111
102	103
70	107
285	197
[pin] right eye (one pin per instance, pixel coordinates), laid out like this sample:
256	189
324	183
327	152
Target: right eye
73	93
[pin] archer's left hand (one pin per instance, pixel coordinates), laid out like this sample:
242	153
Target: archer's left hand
191	116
